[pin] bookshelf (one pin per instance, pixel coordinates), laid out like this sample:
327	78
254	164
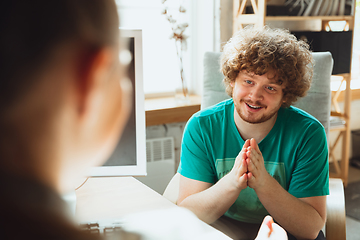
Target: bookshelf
259	18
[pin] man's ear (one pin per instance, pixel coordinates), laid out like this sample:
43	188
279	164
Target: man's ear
93	68
284	99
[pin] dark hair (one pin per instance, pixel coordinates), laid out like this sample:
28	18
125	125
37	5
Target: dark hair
265	49
31	30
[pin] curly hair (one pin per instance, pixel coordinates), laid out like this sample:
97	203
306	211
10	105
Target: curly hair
260	50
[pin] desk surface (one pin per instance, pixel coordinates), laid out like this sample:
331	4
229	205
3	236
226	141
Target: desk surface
115	197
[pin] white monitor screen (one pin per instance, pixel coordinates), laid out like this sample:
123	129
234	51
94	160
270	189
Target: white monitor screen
129	157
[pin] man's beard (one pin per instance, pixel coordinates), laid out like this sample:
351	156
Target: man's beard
262	119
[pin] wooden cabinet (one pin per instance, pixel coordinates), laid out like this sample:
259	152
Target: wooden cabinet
260	18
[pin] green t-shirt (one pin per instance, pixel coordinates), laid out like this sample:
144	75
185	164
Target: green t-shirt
295	153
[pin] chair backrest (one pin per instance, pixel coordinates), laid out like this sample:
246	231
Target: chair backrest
317	102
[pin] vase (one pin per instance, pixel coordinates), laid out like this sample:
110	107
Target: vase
181	89
181	92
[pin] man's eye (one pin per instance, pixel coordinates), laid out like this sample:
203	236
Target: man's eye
270	88
248	81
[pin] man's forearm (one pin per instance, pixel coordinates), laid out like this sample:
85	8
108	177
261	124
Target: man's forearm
213	202
296	216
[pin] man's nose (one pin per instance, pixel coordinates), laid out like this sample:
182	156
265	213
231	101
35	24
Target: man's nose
257	93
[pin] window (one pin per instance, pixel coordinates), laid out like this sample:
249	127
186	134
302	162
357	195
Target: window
161	65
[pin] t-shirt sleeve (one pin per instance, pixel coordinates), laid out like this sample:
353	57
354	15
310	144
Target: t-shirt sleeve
195	162
310	177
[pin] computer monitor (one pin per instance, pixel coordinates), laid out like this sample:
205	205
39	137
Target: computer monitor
129	157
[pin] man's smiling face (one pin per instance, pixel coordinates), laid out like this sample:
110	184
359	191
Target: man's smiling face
257	98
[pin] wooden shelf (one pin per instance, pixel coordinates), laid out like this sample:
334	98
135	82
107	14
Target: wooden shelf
259	17
166	110
309	18
355	94
338	128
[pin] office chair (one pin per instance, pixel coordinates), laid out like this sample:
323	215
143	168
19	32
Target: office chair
317	102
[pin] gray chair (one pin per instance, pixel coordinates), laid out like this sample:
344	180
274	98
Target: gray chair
317	103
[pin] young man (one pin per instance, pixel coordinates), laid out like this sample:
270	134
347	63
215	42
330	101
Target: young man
64	101
255	154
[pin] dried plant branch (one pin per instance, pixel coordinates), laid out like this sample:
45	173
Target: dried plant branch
180	38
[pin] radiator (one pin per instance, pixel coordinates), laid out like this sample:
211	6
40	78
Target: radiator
160	165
